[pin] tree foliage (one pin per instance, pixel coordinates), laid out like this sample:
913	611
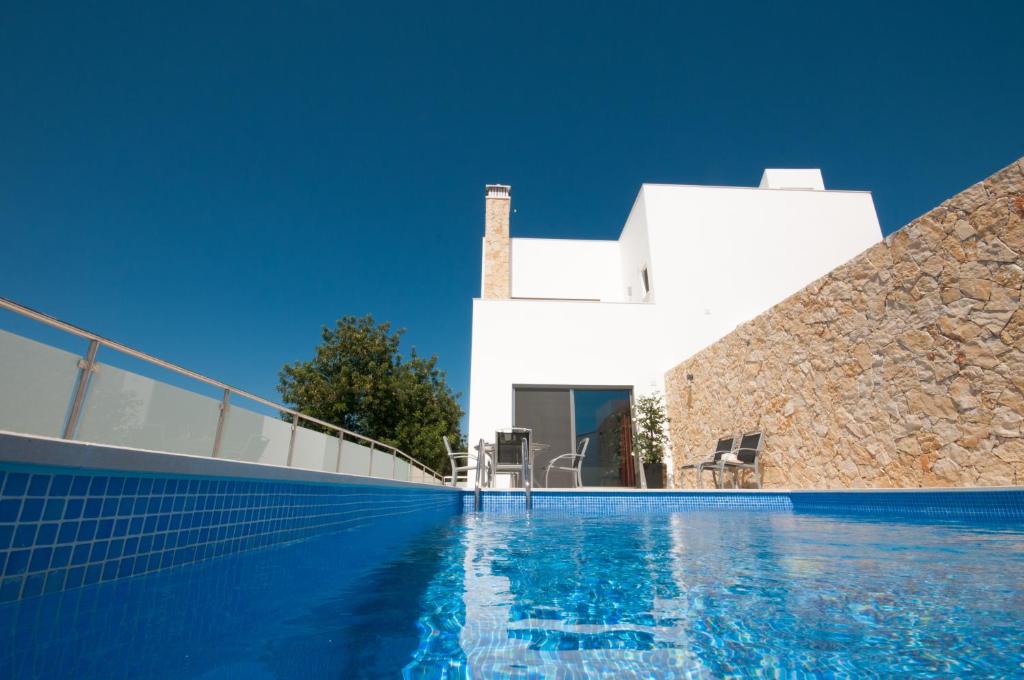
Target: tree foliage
649	416
359	380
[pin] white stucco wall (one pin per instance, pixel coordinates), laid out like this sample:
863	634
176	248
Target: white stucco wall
567	269
722	255
551	342
634	253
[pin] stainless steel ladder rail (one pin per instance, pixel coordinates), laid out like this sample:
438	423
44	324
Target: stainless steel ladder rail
480	462
527	478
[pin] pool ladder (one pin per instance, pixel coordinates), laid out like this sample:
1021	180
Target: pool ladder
527	478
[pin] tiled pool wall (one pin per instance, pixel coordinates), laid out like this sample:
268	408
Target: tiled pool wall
64	527
954	504
594	502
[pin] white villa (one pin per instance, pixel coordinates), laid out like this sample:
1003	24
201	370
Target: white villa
566	332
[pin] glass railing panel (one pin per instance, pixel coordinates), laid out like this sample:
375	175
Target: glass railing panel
127	409
331	455
255	438
38	382
355	458
402	470
383	465
311	449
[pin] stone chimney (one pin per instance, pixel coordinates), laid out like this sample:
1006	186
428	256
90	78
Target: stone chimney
497	279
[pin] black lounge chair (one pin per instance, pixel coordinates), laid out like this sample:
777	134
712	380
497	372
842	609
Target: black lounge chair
748	457
713	462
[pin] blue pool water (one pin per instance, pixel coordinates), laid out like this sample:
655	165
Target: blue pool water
692	594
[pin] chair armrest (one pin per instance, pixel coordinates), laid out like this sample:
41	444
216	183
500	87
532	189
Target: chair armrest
695	462
709	457
564	455
471	458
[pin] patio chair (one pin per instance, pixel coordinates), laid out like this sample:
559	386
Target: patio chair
461	465
748	457
570	461
712	462
508	453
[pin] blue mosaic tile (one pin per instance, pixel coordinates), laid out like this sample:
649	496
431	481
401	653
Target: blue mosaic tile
16	484
62	530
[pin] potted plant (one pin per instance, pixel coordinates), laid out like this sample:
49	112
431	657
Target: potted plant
651	440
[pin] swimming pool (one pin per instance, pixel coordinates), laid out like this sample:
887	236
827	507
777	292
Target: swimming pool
560	595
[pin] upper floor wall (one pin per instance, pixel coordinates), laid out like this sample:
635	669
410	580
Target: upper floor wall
635	254
721	252
719	256
566	269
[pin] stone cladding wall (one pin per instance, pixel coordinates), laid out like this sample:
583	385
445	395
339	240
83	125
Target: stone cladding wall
904	367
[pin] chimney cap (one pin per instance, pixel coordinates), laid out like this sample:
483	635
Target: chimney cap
499	191
792	178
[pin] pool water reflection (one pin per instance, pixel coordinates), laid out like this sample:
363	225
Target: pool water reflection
696	594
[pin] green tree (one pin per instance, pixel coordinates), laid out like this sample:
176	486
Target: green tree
649	416
359	380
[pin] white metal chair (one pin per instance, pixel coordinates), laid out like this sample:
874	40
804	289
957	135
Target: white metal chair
575	463
462	463
748	457
713	462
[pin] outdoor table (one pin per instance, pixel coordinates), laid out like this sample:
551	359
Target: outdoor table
515	470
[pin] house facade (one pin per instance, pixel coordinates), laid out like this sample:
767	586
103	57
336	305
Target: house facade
566	333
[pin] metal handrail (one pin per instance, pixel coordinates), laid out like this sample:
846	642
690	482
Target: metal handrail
527	473
96	340
480	462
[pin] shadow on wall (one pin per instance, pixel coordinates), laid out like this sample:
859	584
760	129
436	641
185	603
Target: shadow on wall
904	367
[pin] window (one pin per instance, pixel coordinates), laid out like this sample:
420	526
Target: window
645	280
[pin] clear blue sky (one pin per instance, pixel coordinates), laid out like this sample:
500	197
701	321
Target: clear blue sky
212	183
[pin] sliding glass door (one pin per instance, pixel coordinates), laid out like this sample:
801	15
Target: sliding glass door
561	417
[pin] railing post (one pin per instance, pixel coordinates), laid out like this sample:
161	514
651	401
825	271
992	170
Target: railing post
224	406
291	441
87	367
341	437
394	464
370	473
